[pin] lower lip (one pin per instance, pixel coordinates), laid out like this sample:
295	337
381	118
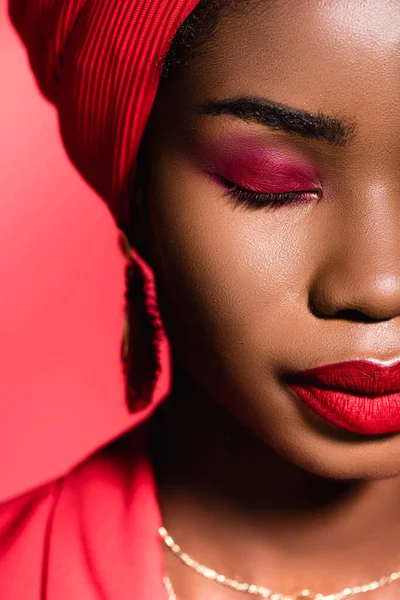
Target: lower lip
370	415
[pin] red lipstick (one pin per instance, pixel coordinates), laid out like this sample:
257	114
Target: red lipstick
360	396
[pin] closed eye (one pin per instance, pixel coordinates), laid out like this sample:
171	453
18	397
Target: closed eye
254	199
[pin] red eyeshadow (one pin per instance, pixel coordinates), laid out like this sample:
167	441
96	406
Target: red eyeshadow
259	167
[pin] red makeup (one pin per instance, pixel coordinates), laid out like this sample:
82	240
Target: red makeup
254	165
360	396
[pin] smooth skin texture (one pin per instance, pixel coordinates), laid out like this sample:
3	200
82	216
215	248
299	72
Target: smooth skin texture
251	482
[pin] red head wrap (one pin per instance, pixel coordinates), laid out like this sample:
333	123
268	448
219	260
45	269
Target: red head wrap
99	62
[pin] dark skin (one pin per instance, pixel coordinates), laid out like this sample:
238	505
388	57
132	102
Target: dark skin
251	483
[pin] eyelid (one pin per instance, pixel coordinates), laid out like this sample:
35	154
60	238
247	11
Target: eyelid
255	200
317	190
263	166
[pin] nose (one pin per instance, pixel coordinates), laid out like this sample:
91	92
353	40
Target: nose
359	276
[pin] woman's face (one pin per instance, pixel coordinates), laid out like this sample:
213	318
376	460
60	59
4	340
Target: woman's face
303	270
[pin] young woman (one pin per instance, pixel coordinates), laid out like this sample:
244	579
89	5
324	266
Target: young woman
250	152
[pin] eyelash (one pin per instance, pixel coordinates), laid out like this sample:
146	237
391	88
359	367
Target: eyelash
251	199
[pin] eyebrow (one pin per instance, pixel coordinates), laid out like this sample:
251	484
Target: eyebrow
281	117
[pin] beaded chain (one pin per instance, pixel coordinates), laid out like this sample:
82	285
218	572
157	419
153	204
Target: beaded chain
263	592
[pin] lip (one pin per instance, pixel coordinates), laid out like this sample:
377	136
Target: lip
360	396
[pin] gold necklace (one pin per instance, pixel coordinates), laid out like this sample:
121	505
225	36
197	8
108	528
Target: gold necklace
256	590
169	588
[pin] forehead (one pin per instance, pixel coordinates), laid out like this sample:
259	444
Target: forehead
337	56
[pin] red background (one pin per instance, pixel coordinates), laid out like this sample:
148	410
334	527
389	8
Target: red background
61	300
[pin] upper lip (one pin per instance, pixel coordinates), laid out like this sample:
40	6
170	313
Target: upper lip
358	377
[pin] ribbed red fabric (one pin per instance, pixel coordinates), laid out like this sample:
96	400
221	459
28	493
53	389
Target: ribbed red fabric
99	62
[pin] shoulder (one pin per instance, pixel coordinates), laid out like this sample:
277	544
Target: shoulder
55	524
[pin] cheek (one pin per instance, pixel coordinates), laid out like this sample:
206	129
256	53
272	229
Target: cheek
224	274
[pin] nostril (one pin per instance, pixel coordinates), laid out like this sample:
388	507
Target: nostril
351	314
358	316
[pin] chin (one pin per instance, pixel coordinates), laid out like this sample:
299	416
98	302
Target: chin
304	438
343	456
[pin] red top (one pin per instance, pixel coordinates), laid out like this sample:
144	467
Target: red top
92	534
